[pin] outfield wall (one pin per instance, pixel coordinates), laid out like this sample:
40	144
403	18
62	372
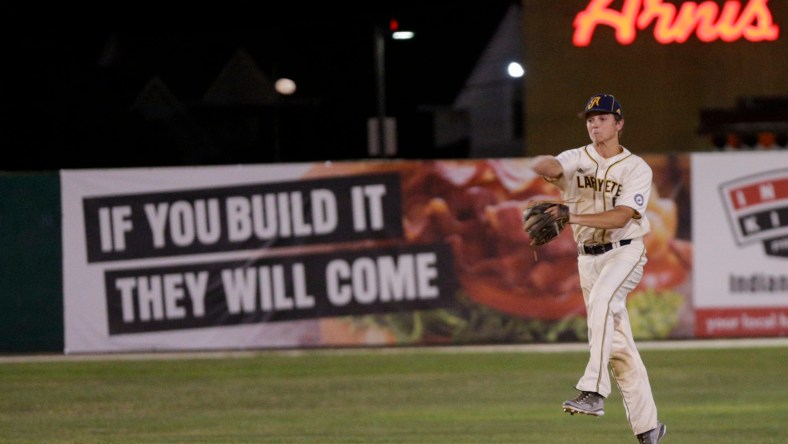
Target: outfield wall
31	288
371	253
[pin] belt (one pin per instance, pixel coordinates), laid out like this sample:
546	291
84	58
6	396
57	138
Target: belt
596	249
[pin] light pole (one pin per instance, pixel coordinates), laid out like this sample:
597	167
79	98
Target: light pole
380	87
380	36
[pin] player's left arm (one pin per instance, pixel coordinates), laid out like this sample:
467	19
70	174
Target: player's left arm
618	217
636	188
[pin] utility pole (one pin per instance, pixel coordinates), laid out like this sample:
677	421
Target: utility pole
380	87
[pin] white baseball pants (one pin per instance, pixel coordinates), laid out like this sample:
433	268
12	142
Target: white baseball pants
606	280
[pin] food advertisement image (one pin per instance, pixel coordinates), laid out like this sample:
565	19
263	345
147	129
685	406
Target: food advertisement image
510	291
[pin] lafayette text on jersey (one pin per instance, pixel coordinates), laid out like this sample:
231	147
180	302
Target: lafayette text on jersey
592	184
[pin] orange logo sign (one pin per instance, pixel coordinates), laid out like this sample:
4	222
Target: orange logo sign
706	20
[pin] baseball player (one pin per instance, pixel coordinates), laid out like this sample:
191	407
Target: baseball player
607	188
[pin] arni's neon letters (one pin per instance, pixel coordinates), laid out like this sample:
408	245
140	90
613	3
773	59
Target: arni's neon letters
707	20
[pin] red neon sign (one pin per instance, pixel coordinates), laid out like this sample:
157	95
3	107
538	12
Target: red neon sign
706	20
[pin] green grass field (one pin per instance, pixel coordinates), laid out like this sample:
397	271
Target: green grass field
718	396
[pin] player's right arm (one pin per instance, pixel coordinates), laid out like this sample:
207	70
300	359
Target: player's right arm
547	166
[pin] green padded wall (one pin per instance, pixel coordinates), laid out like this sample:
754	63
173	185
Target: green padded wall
31	286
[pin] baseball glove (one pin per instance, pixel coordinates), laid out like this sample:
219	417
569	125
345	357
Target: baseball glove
541	225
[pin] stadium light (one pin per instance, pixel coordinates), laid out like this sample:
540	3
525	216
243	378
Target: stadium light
515	70
402	35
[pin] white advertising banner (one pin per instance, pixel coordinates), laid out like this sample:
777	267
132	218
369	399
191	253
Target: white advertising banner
339	254
740	237
234	257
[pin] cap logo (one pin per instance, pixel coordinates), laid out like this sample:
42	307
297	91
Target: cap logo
594	102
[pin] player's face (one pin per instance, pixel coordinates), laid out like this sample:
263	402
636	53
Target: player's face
603	128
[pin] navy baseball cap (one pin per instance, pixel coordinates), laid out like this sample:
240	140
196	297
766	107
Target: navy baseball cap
602	103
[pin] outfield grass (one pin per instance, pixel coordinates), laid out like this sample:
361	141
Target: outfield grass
412	396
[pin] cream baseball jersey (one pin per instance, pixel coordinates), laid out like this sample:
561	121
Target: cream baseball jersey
592	184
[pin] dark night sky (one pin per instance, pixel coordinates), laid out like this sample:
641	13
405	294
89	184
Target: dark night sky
66	99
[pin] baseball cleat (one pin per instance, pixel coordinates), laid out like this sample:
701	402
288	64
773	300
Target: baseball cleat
587	403
653	436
